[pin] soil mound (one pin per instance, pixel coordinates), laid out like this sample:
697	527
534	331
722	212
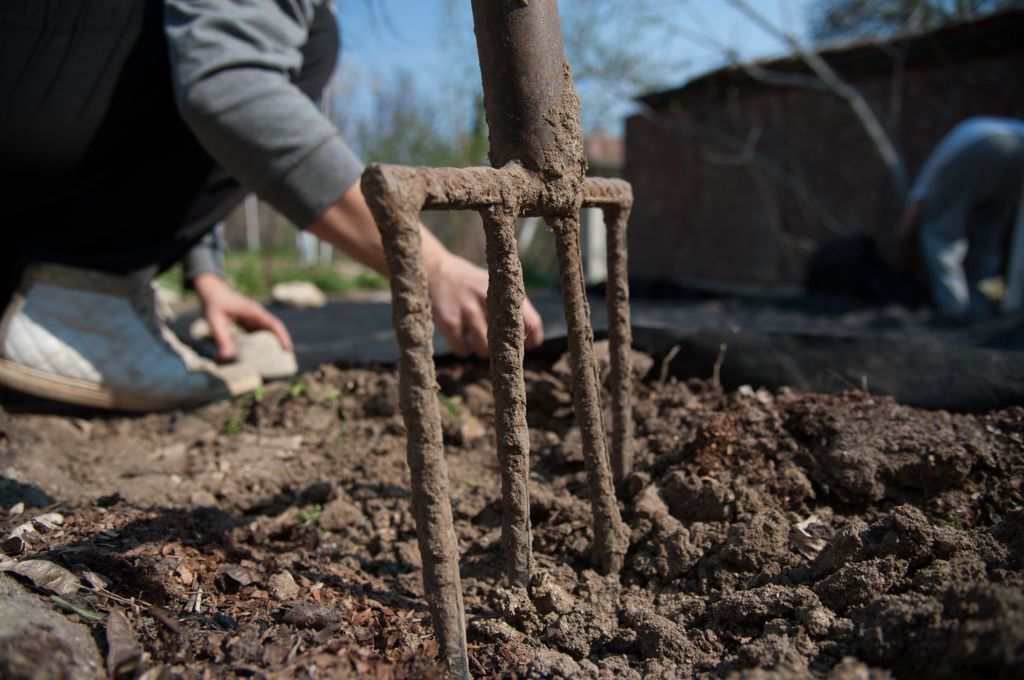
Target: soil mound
772	534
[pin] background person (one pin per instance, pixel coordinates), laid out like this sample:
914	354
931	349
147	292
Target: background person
961	213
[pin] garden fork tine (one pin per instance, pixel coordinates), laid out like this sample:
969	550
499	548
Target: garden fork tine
537	154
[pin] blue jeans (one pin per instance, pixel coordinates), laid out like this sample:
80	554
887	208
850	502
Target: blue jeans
965	227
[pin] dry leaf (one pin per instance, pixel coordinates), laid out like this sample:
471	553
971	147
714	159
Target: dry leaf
124	657
49	521
185	574
22	529
47	576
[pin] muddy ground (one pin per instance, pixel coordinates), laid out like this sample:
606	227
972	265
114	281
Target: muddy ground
773	535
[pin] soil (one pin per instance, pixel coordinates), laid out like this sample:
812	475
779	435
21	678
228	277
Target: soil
771	535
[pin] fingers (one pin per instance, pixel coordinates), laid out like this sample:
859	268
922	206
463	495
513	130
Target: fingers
466	330
533	325
451	328
220	328
264	320
459	296
474	327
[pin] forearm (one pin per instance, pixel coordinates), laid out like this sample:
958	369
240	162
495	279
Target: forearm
349	226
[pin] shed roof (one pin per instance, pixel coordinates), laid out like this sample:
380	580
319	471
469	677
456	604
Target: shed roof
994	34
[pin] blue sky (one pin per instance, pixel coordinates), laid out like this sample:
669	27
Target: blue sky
433	40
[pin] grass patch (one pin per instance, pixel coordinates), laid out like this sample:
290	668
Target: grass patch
173	280
250	276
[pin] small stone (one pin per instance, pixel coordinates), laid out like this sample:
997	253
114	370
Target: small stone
471	429
202	499
299	294
225	621
283	587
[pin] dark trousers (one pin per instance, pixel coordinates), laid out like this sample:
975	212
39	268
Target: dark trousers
99	170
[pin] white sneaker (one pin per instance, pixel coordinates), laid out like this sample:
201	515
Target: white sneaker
92	338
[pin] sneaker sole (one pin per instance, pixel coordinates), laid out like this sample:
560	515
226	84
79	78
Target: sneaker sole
85	393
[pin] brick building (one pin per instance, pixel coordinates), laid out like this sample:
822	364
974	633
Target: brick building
738	179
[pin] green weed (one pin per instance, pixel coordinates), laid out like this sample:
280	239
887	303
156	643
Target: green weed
86	614
312	516
448	403
298	388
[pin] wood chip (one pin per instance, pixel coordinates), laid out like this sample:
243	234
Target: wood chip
195	603
157	673
804	543
238	574
95	581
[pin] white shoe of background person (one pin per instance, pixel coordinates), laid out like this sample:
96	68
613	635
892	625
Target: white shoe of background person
91	338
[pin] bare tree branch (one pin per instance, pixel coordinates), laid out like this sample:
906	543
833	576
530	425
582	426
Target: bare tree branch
829	217
858	104
769	77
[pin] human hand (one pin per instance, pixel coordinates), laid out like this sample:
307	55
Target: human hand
223	305
458	295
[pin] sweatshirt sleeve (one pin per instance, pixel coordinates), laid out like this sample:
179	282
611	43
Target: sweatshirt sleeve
231	63
206	256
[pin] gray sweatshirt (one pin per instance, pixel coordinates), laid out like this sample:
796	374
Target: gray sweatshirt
230	66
